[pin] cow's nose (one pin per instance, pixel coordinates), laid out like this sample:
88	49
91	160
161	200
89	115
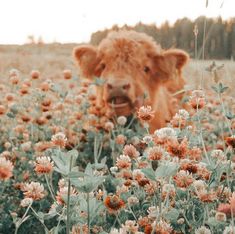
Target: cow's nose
118	85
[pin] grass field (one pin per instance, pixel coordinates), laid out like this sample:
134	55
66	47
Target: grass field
52	59
65	167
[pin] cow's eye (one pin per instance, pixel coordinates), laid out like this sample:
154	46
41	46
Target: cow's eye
146	69
99	69
102	66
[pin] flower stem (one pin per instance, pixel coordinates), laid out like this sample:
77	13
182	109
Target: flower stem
45	227
88	213
95	149
201	137
49	187
68	199
132	213
2	188
203	51
22	219
206	214
224	113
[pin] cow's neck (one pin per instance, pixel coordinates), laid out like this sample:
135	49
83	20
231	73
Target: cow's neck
161	99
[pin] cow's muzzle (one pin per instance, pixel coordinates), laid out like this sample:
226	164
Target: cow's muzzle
118	93
119	101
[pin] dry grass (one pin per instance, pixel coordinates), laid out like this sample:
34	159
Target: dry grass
51	59
195	73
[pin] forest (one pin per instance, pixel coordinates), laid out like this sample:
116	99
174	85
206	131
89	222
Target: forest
219	36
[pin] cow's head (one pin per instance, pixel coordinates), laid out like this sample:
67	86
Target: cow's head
132	65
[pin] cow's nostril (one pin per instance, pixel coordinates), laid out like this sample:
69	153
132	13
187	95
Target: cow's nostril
109	86
126	86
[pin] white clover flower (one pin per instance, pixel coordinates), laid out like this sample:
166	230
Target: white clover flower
135	140
138	173
168	188
202	230
121	120
220	216
26	146
229	230
218	154
153	211
147	139
163	225
132	200
109	126
59	139
124	158
113	169
123	161
44	165
166	133
199	185
14	72
183	114
114	231
26	202
198	94
130	226
33	190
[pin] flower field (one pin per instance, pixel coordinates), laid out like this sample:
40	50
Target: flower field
67	167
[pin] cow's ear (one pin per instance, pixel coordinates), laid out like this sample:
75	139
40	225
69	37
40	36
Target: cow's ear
86	58
168	63
176	57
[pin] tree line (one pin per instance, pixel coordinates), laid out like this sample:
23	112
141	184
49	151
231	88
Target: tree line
219	36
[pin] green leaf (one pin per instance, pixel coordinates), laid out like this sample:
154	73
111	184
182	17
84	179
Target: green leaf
54	230
145	205
212	222
230	115
62	160
99	166
99	81
88	170
63	94
215	89
149	173
14	109
220	88
95	208
40	216
172	215
61	166
166	170
11	115
73	200
73	153
55	88
20	221
103	160
88	184
49	215
75	173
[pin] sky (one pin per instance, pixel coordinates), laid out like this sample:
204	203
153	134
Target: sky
74	20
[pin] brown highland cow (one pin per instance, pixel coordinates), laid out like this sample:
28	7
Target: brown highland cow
136	72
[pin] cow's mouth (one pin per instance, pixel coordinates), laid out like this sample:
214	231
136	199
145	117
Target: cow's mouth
119	102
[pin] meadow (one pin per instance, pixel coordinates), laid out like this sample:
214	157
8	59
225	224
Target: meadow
66	168
52	59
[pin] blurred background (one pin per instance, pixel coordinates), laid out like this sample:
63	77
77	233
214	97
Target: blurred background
69	21
42	34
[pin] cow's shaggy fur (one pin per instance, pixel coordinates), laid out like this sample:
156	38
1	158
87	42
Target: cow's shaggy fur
134	67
